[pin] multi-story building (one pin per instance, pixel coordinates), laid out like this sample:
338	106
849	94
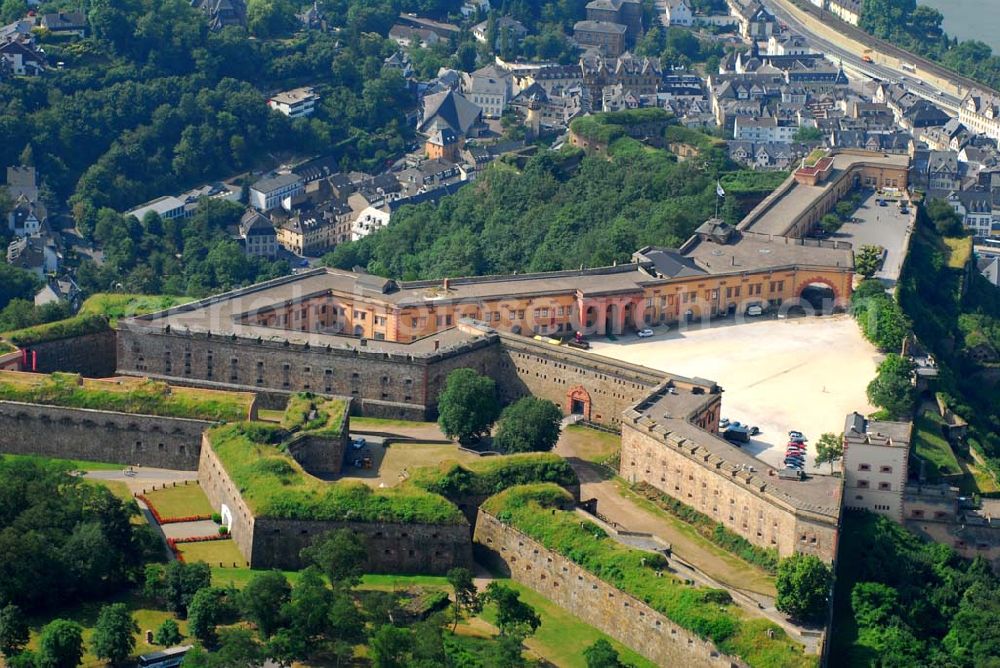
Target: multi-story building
490	88
167	207
849	11
306	235
764	130
295	103
980	112
609	38
257	235
976	209
678	13
268	193
876	455
623	12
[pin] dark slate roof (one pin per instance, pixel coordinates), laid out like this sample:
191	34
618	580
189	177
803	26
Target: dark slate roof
450	109
668	263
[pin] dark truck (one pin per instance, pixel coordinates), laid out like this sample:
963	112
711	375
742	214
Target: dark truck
736	434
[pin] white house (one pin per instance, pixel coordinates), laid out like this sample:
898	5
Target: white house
980	112
295	103
678	13
490	87
763	130
268	193
473	7
168	207
875	465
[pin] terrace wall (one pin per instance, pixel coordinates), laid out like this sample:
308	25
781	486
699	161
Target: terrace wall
100	436
593	600
275	543
90	355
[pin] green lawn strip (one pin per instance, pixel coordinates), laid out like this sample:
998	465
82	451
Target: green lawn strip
145	397
273	484
72	464
180	501
932	447
561	638
363	423
85	614
115	306
213	553
393	582
706	612
757	571
490	475
270	415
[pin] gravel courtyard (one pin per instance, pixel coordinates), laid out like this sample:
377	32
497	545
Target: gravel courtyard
802	373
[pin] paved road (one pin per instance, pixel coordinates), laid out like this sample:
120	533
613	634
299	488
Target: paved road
144	477
852	60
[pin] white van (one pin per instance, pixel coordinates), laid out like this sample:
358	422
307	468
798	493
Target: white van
755	310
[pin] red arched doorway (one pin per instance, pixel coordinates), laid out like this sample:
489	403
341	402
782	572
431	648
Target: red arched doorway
578	402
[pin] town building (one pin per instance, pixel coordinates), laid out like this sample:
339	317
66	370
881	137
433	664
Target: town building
608	38
980	112
269	193
506	28
490	88
21	57
257	235
876	455
295	103
222	13
848	11
678	13
167	207
65	23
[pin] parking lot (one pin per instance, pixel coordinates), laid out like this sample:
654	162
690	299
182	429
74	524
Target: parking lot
805	374
882	226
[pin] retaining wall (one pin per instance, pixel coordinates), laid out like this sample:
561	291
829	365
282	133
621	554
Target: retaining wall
596	602
100	436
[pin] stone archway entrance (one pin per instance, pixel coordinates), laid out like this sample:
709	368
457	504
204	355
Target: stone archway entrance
578	402
821	294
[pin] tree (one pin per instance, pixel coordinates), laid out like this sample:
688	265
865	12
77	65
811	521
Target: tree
892	388
528	425
466	594
16	283
803	585
209	607
829	448
168	634
269	18
514	616
60	645
176	584
873	603
14	631
868	259
602	655
262	599
806	134
830	223
844	209
390	646
341	555
114	634
309	608
467	407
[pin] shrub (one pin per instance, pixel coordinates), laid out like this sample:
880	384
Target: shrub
223	531
217	518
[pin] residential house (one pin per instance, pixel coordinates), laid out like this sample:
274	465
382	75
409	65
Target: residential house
989	268
407	36
943	171
442	144
763	130
539	110
222	13
37	254
976	209
22	180
295	103
787	44
849	11
21	58
474	7
56	290
257	235
25	218
678	13
306	235
65	23
445	31
490	87
923	114
506	28
268	193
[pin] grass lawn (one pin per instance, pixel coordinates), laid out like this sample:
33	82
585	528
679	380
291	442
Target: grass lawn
180	501
363	423
392	582
976	480
142	611
389	463
590	444
732	570
75	464
561	638
269	415
933	448
960	249
213	552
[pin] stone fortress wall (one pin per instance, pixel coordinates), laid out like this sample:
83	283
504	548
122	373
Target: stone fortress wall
620	615
101	436
276	543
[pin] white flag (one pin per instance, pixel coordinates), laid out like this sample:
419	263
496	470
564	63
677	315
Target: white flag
718	189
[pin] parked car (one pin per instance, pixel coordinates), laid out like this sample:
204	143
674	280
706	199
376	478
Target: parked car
798	439
795	433
755	310
645	333
358	443
754	431
724	422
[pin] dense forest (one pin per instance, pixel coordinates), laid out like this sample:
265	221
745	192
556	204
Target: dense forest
560	211
917	28
931	608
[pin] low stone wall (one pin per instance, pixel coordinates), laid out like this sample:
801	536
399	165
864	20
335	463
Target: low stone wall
100	436
586	596
276	543
91	355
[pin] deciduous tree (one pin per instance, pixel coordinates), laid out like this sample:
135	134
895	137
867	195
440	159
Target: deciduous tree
468	406
114	634
803	585
528	425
